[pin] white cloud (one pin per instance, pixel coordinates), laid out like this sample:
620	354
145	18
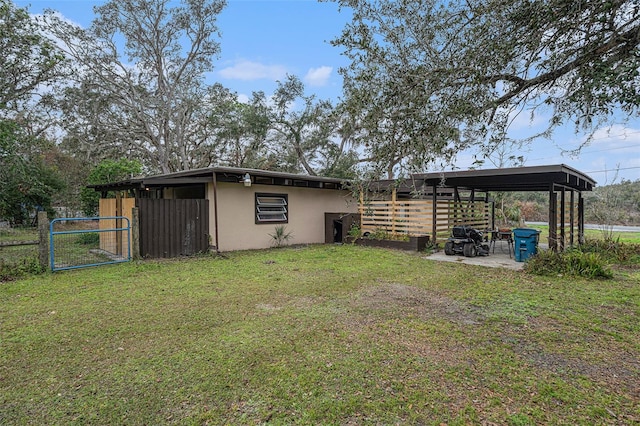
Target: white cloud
317	77
248	70
243	99
617	137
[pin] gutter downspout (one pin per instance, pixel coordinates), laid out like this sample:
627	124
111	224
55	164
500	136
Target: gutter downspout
215	211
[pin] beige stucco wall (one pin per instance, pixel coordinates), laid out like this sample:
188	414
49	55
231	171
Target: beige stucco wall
307	206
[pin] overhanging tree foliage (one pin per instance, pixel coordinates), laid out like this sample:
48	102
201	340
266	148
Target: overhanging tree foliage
429	78
241	129
306	132
107	171
292	132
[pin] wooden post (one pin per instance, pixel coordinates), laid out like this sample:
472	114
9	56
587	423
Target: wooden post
434	214
488	204
119	212
43	237
493	215
361	210
456	202
135	233
393	210
471	208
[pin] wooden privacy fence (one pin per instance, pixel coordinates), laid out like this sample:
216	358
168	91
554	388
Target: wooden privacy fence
419	217
112	208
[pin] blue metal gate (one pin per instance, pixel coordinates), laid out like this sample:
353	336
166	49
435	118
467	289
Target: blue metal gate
89	241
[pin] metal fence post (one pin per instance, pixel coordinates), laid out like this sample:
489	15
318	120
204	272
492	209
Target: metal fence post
43	239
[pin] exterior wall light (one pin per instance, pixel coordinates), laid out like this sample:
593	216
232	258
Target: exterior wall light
247	180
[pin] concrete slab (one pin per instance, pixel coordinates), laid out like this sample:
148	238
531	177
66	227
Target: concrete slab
499	259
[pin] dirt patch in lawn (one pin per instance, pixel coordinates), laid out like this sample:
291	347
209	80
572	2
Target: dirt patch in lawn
609	362
389	312
416	301
616	374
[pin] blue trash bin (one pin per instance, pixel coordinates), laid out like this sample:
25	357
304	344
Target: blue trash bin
526	243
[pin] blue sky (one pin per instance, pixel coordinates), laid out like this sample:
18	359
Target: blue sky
263	40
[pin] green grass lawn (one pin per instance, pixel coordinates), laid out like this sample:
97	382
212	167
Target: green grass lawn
341	335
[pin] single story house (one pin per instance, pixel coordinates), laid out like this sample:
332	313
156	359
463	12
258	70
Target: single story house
226	208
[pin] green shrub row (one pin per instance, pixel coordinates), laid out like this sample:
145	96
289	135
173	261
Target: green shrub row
12	270
591	259
572	262
613	250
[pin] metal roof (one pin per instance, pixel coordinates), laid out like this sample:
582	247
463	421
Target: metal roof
224	174
532	178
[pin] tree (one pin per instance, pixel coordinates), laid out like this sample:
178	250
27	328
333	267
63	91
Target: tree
28	61
108	171
26	183
241	129
153	106
429	78
32	65
306	132
614	203
395	137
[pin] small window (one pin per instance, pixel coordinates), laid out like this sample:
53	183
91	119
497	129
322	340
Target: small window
272	208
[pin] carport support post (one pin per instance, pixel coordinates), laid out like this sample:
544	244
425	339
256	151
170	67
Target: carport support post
563	210
572	207
488	200
553	220
43	237
580	218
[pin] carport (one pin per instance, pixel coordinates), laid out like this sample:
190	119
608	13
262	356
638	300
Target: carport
564	185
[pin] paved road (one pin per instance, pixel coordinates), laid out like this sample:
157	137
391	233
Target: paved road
615	228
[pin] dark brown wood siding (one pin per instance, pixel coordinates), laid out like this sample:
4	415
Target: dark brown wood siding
171	228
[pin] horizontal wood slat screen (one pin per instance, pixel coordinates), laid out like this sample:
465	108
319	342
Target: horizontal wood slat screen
416	217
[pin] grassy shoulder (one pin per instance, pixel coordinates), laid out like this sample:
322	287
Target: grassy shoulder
318	335
594	234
